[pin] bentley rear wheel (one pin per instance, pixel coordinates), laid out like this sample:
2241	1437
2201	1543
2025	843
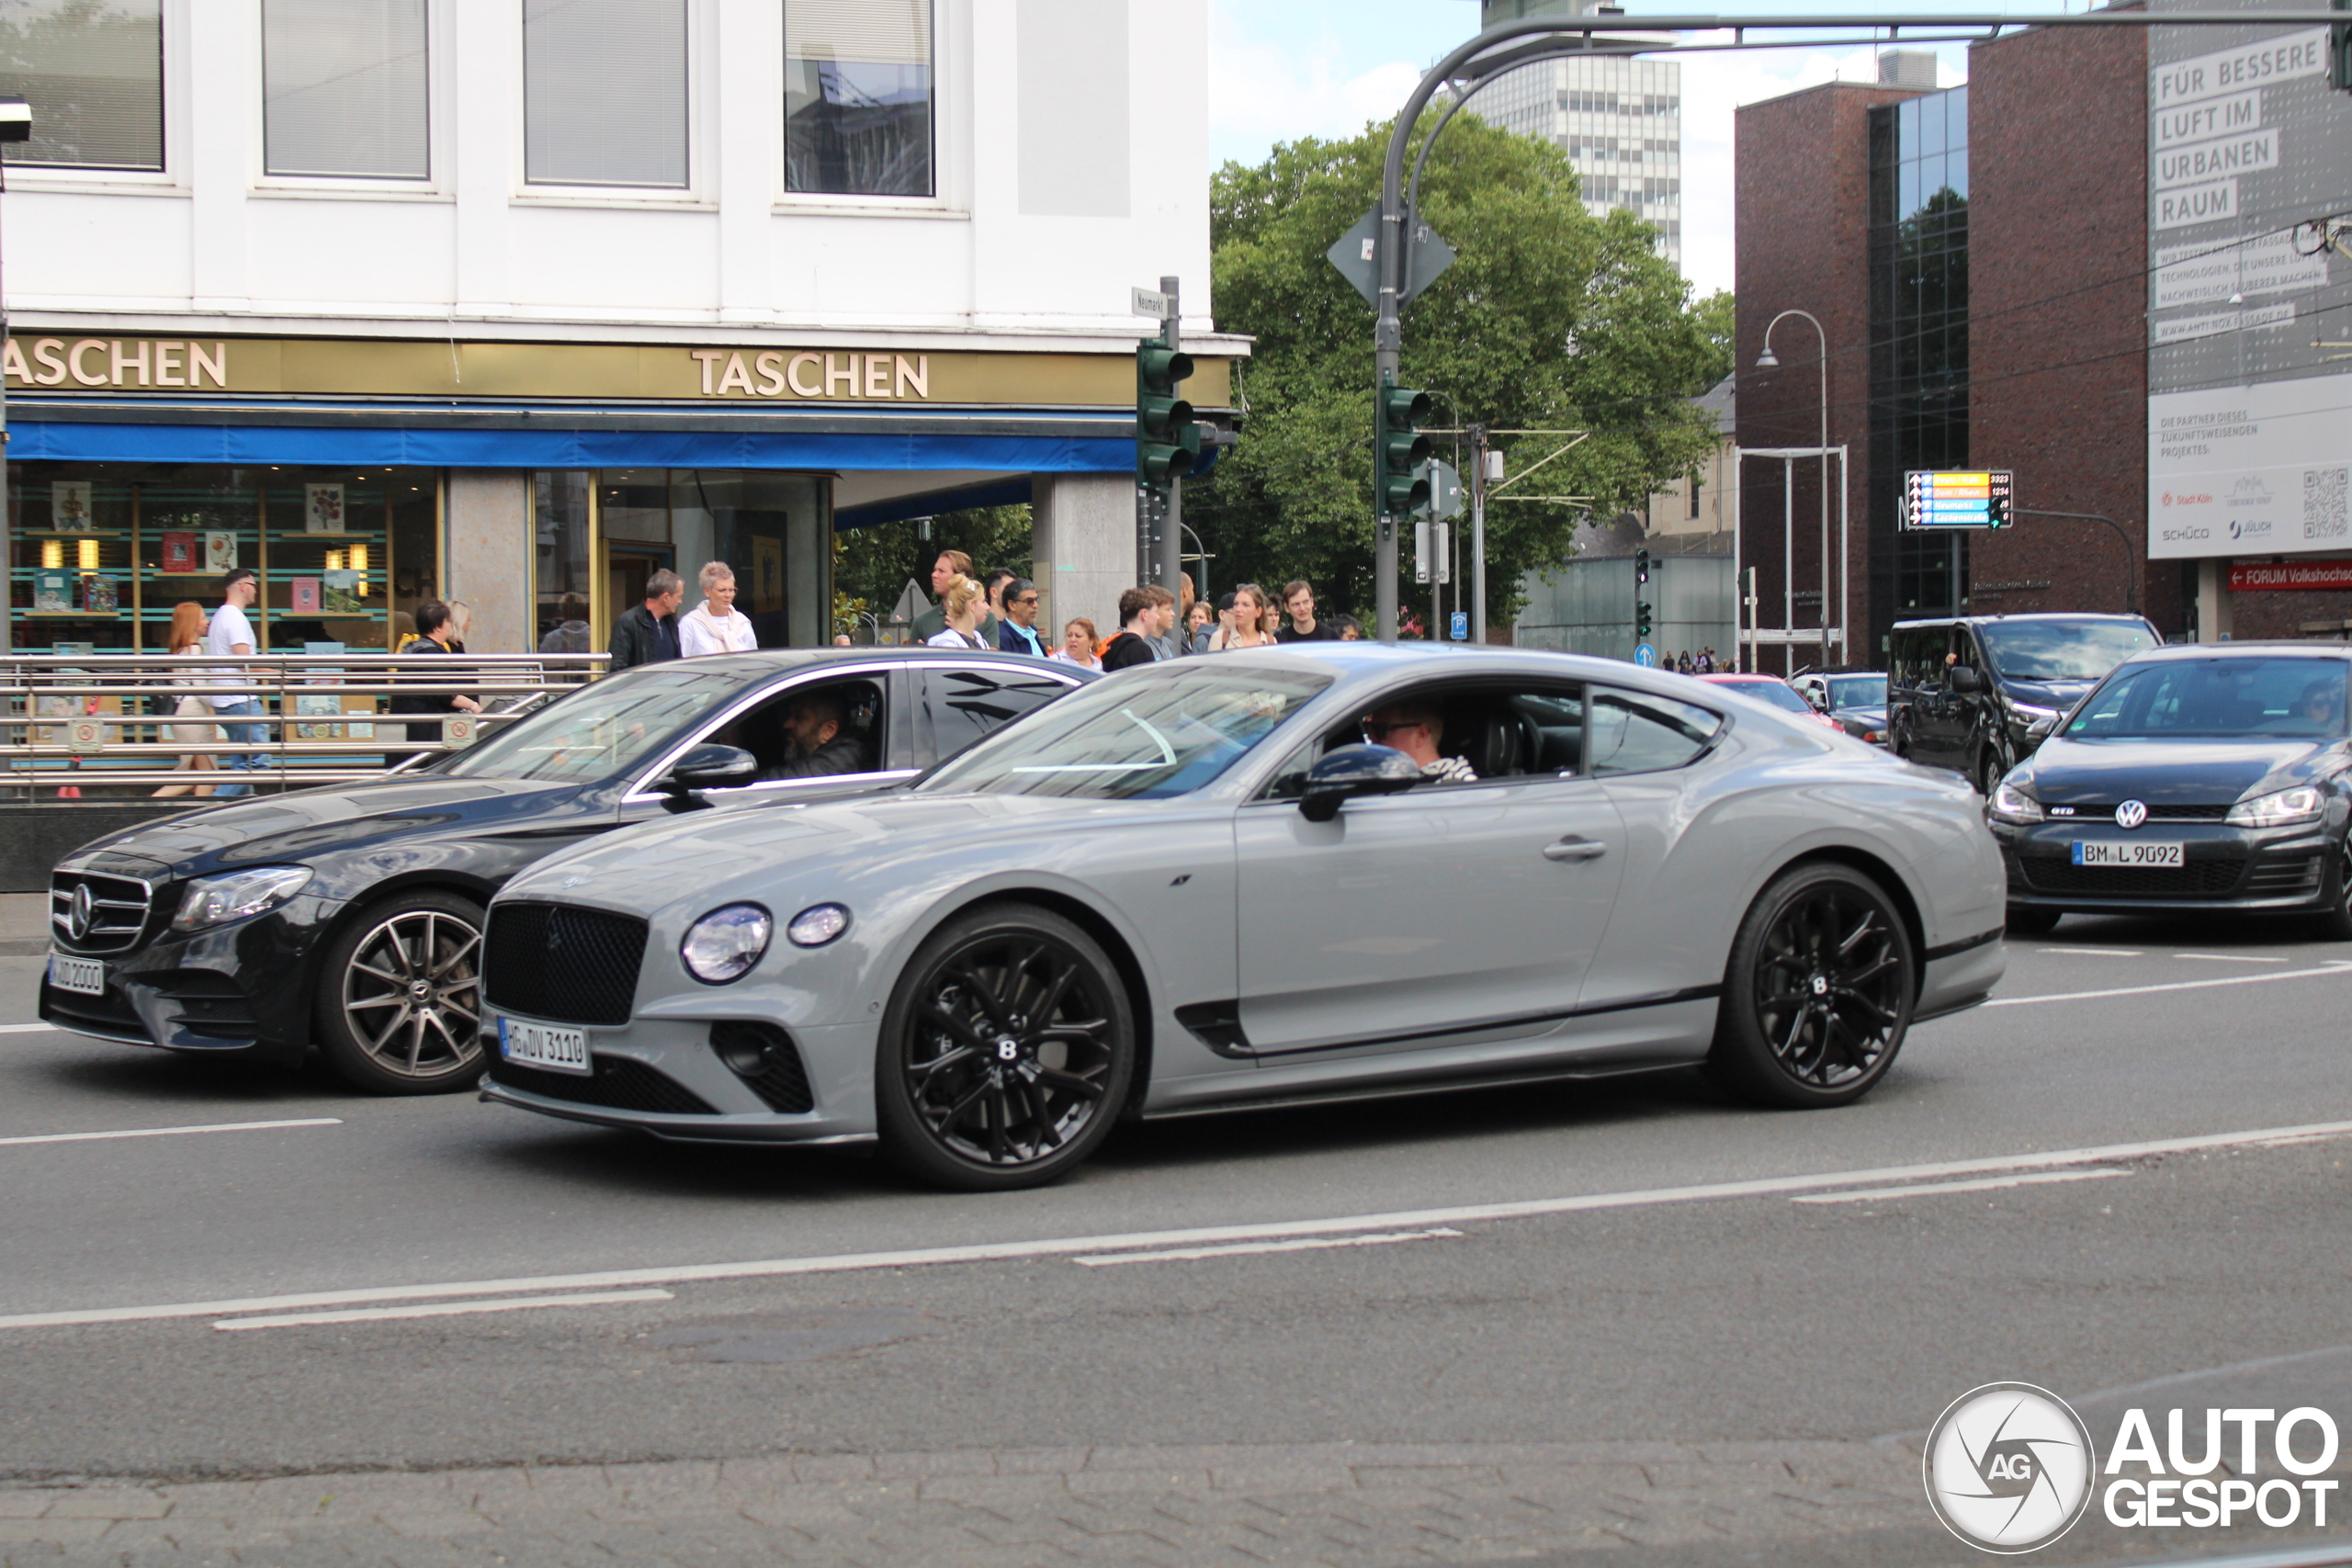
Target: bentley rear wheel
400	1007
1818	993
1006	1052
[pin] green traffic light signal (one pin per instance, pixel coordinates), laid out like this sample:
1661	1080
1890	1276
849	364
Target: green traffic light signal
1166	440
1398	449
1642	619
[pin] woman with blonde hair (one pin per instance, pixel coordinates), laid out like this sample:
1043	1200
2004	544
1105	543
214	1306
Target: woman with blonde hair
963	601
716	626
187	641
1244	625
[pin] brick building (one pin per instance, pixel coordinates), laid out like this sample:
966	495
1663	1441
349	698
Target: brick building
1978	258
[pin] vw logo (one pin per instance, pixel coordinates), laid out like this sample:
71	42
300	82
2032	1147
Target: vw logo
2009	1467
2131	814
77	915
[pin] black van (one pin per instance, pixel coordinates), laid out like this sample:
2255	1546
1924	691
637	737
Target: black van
1964	692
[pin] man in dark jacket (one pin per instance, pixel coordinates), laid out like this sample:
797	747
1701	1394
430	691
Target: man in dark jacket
647	633
1147	613
822	744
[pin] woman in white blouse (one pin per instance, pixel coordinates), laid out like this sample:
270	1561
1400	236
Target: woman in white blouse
962	601
716	626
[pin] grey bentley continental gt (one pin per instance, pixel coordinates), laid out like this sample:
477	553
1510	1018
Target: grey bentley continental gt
1330	870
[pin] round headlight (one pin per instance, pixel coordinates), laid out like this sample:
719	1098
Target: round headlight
816	926
725	943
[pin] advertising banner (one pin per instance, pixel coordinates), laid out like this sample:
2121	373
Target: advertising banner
2249	407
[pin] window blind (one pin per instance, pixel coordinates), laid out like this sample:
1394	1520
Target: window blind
93	70
605	92
888	32
344	88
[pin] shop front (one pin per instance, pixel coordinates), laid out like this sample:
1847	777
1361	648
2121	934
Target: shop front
535	487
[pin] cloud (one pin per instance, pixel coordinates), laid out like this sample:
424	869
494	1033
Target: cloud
1266	88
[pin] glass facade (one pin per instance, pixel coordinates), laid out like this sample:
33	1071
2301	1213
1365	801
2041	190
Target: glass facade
102	552
93	70
1918	345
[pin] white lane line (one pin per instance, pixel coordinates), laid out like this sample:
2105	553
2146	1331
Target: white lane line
1986	1184
2334	968
30	1028
2230	957
1242	1249
441	1309
177	1132
2095	952
1064	1246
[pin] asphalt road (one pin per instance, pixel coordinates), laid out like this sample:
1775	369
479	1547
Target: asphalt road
1671	1347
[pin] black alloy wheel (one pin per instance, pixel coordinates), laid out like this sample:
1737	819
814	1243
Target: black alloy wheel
2335	919
1818	993
1006	1052
399	1007
2027	920
1992	765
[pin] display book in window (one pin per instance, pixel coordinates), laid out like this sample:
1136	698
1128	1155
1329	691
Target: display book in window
99	594
53	592
179	552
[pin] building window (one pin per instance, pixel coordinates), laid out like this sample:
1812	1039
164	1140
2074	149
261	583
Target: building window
93	70
1694	498
857	98
344	88
605	93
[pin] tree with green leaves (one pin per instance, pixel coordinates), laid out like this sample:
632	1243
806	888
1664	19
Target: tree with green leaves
1550	318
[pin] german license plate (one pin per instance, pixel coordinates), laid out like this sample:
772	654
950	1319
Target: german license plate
86	975
2126	852
543	1045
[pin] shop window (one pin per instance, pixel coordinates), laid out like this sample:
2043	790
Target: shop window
344	88
605	92
770	529
563	621
857	96
93	74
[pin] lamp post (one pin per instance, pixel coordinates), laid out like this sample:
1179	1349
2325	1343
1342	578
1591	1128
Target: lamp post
15	125
1768	360
2131	551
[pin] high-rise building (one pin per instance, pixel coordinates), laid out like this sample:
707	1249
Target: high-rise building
1619	119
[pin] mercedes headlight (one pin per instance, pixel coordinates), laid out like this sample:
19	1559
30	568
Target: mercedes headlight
2011	804
725	943
2304	803
216	900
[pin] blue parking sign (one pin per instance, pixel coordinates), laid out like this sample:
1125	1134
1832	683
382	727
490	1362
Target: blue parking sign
1461	629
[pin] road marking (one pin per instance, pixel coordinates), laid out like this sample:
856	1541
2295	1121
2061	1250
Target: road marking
2228	958
1240	1248
2334	968
177	1132
2095	951
441	1309
1064	1246
31	1029
1986	1184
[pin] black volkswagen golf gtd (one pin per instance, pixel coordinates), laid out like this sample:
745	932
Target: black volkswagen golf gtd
352	915
2209	777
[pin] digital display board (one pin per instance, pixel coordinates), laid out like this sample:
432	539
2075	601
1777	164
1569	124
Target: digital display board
1976	499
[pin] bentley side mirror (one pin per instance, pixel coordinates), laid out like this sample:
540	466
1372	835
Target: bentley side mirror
1354	770
709	766
1965	680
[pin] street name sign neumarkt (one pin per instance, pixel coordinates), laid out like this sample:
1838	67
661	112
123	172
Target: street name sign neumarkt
1978	499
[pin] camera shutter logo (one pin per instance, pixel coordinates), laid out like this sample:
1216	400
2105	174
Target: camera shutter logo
2131	815
2009	1467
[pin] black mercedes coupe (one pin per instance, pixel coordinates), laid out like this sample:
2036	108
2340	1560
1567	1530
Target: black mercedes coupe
352	915
2211	777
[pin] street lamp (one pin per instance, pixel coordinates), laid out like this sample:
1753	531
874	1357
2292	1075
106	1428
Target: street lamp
15	125
1768	360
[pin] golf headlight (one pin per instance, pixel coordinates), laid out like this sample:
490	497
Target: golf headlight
215	900
2011	804
2304	803
819	924
725	943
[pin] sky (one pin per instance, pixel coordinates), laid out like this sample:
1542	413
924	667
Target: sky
1283	69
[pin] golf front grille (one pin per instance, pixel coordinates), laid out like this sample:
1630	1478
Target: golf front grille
562	963
2197	879
618	1083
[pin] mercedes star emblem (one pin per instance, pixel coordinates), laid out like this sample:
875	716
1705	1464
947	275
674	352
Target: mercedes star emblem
77	918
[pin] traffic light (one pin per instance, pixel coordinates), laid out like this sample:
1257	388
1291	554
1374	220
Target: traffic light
1641	566
2340	51
1167	441
1641	620
1398	449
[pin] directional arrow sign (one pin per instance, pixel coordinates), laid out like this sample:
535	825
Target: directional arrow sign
1425	256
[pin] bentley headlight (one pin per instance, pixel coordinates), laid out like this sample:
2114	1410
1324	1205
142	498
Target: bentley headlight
2304	803
725	943
2011	804
216	900
819	924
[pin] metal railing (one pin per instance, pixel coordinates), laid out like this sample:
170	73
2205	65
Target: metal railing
91	725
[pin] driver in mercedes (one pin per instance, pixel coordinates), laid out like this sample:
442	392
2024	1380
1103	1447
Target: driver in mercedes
819	742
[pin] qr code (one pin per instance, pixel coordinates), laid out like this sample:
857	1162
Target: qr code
2325	513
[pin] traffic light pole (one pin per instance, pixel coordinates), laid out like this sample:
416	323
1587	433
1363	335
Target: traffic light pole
1172	528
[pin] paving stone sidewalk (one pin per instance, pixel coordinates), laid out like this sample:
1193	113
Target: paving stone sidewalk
1361	1505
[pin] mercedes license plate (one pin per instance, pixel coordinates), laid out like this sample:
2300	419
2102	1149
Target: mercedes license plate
2126	852
543	1045
86	975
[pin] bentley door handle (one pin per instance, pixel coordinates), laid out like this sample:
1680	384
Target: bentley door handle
1575	849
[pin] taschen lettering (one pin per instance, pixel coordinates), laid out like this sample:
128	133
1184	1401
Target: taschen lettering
811	374
115	362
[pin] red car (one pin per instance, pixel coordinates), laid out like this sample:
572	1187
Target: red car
1775	692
